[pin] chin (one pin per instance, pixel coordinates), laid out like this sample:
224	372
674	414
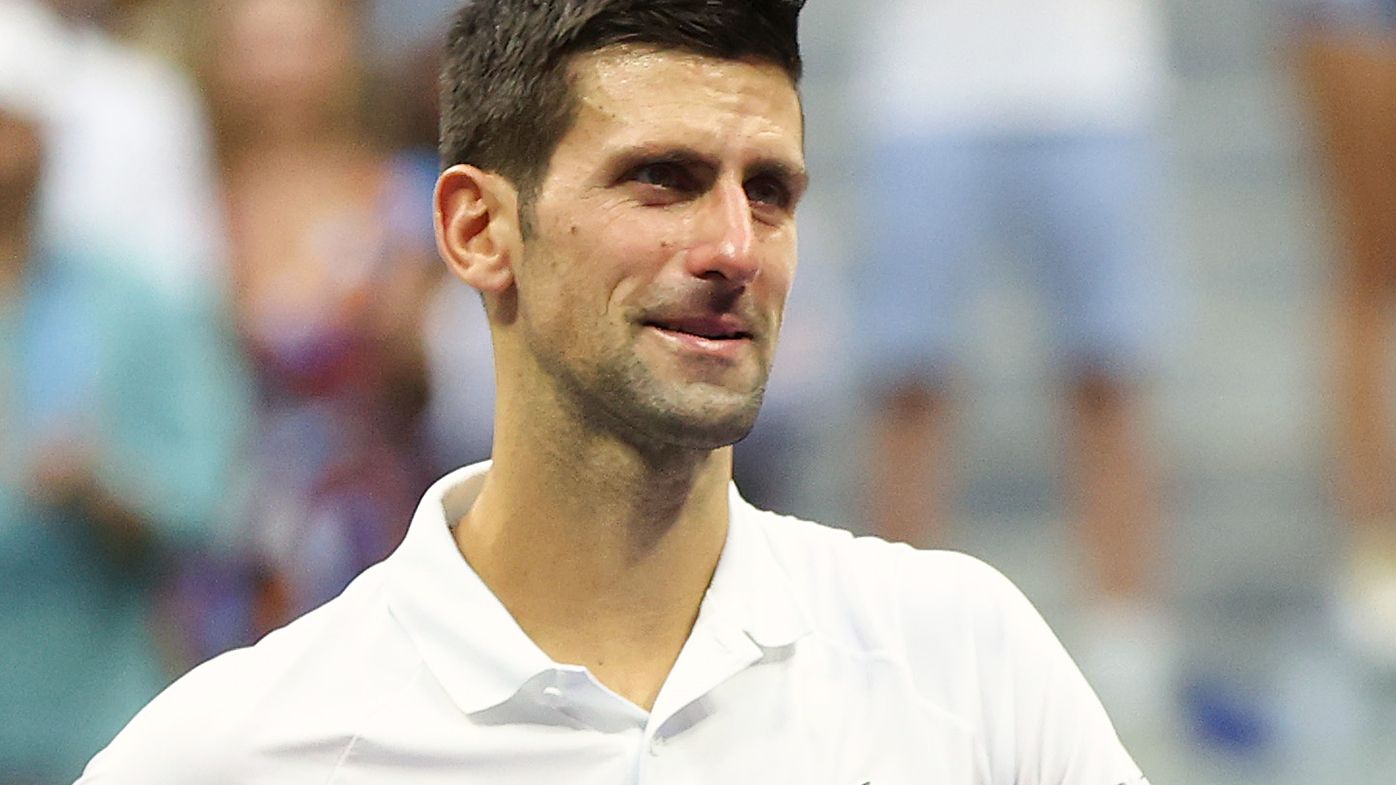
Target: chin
640	407
695	434
709	424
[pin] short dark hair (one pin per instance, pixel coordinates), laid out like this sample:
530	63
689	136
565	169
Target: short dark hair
506	99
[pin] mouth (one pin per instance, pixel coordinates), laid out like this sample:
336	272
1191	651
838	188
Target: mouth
724	339
708	328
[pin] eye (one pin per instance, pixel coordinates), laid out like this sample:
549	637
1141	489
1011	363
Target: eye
768	191
668	175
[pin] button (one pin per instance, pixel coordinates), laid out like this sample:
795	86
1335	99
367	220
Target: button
552	696
657	745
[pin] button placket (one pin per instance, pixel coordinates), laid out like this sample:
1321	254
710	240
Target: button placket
552	695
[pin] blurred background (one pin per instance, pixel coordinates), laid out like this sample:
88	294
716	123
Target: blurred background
1097	290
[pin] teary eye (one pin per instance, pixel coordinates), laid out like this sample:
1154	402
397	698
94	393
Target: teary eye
766	190
664	174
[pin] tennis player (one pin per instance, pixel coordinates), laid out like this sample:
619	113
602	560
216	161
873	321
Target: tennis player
598	604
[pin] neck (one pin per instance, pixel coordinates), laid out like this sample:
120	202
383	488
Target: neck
602	553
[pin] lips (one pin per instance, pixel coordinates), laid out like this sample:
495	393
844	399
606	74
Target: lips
725	327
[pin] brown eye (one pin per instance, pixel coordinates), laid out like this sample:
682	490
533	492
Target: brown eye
767	191
666	174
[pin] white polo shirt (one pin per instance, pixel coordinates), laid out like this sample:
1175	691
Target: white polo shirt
817	659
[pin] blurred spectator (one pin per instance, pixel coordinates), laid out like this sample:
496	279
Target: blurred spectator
130	165
119	412
1346	56
459	418
1030	120
331	275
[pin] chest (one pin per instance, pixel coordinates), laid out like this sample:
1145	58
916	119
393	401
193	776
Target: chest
768	724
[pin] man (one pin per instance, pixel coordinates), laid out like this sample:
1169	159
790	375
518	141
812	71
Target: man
598	605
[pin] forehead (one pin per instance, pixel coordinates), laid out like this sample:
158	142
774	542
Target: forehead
630	96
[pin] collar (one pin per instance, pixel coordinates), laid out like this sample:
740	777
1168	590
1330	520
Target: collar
481	656
750	590
472	645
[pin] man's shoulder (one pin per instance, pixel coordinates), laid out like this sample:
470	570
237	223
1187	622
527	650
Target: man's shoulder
302	689
963	639
813	554
186	728
889	595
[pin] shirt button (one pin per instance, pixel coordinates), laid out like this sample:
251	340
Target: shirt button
552	696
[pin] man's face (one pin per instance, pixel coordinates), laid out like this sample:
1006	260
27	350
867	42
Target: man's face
661	244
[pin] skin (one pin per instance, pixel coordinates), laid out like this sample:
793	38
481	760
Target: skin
668	207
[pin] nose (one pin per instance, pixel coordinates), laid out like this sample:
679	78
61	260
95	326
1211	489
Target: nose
725	246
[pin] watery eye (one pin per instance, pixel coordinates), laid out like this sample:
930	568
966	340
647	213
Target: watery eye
767	191
662	175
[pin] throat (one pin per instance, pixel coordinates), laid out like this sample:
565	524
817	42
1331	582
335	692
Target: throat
633	663
593	583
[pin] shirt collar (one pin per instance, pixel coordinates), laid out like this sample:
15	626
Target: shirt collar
467	638
478	652
750	588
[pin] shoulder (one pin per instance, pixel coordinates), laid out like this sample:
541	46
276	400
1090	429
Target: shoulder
964	639
945	617
180	731
868	576
302	691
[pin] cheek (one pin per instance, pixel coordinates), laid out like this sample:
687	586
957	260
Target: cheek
590	274
626	256
778	272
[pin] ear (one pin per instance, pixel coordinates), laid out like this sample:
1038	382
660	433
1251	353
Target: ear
477	226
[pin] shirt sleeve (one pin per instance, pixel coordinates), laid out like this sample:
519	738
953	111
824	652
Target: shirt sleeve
1047	726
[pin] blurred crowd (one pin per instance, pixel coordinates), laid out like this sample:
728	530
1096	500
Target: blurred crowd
230	361
221	309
